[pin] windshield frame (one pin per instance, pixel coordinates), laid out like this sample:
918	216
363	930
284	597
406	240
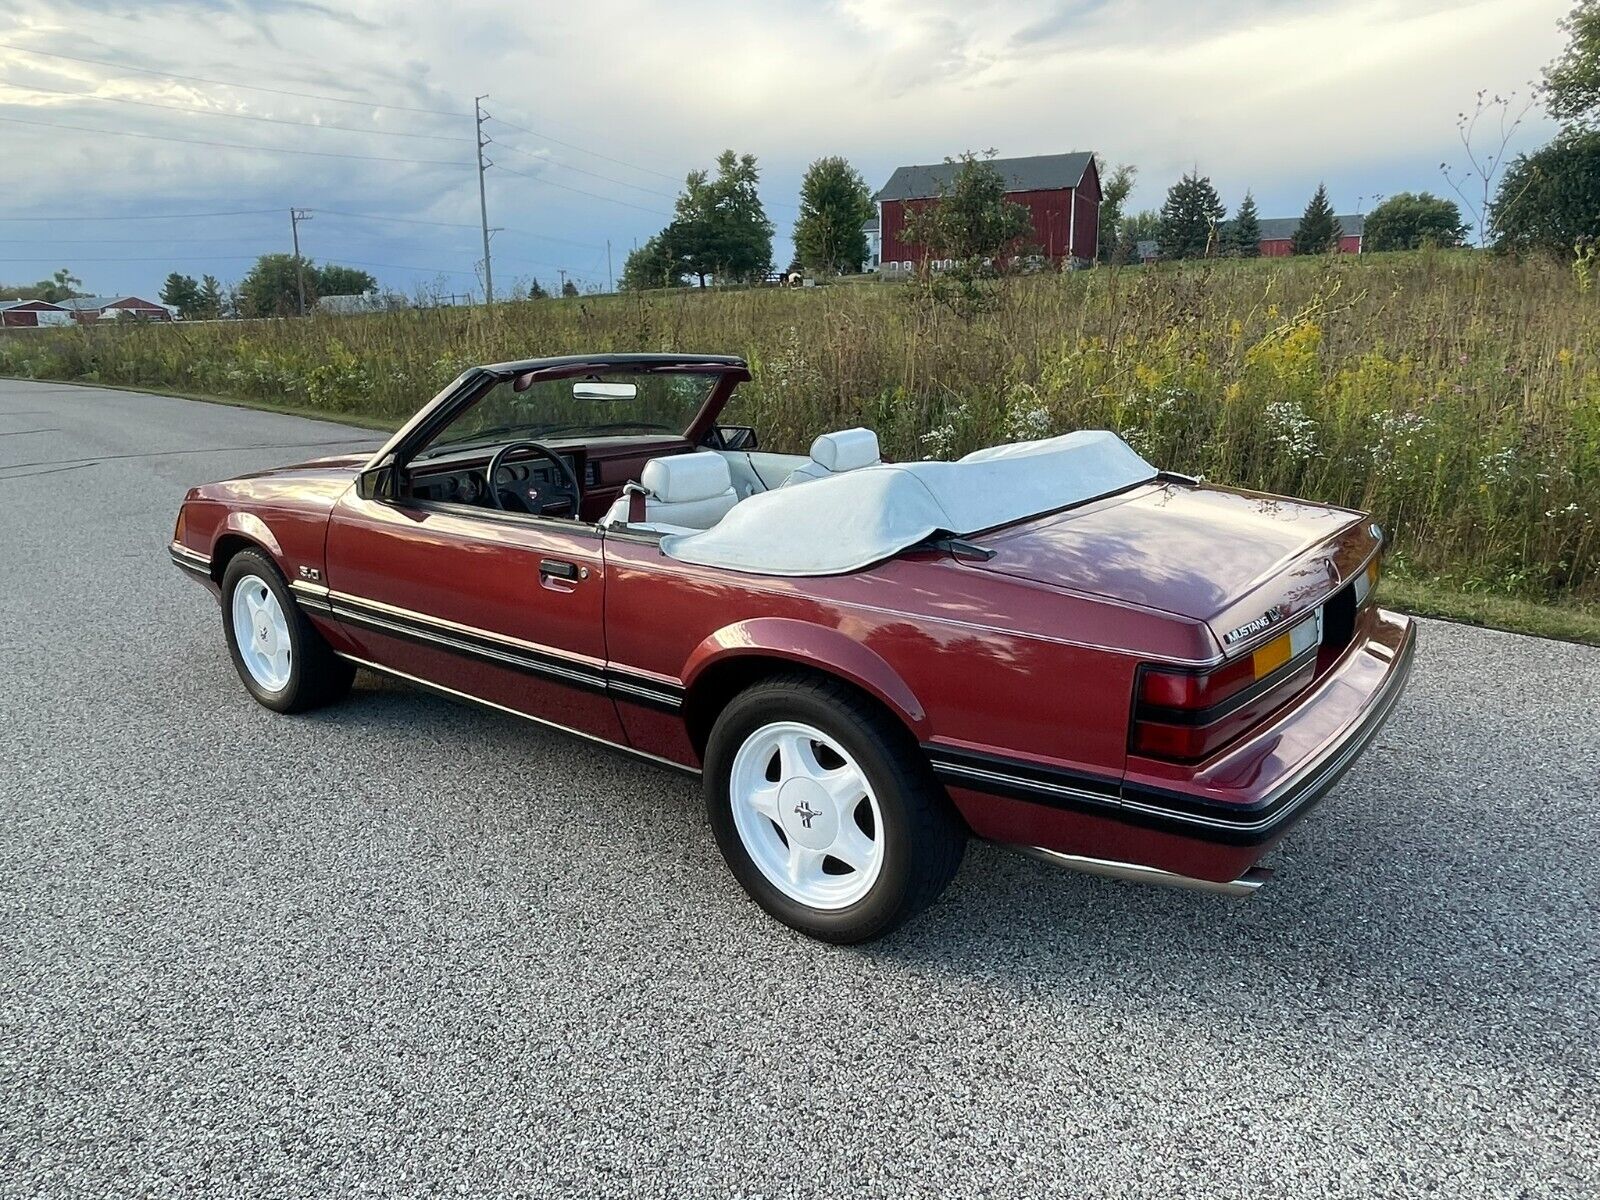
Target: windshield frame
379	476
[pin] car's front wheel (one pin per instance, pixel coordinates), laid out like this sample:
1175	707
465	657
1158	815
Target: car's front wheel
825	811
282	659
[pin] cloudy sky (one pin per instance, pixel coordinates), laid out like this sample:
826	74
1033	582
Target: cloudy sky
361	111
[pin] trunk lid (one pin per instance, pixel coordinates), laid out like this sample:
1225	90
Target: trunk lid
1223	557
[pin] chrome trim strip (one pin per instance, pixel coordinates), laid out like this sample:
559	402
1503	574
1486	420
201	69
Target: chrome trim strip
595	681
478	700
578	670
1246	885
1024	783
345	599
184	556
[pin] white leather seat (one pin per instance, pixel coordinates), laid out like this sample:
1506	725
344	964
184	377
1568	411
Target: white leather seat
835	453
684	493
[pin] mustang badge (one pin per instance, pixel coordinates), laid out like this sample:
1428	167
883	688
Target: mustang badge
1265	621
806	813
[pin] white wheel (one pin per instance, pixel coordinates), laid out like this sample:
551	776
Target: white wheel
806	815
261	631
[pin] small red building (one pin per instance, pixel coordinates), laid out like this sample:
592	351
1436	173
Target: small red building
1060	191
1277	235
88	309
30	314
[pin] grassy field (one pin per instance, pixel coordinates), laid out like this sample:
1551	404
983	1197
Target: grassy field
1455	395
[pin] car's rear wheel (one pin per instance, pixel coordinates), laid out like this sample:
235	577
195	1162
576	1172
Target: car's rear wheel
825	810
281	658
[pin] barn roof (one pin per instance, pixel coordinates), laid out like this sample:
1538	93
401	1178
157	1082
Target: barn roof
100	303
1040	173
31	304
1281	229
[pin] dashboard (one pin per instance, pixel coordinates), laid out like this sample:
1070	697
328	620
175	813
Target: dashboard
461	484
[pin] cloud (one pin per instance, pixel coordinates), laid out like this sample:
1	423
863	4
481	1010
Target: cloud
610	102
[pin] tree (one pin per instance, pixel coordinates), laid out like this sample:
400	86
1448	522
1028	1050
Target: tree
1319	230
334	280
720	229
1549	200
1112	197
835	203
1189	218
210	307
1412	220
568	288
536	291
182	293
1572	82
651	265
1242	238
271	289
970	221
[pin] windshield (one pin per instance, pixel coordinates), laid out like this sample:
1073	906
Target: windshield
585	409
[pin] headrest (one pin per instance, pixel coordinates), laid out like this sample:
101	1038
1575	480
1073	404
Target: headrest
845	450
682	478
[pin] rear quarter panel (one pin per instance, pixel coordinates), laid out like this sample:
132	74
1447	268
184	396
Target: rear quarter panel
966	659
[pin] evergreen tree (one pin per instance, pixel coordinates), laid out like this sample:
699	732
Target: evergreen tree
835	203
568	288
1319	230
1189	218
536	291
1244	231
211	299
182	293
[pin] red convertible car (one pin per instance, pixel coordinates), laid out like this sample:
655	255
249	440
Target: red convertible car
1052	644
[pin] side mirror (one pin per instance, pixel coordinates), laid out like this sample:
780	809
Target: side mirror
737	437
376	484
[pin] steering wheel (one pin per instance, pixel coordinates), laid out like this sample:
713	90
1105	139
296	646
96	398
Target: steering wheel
531	495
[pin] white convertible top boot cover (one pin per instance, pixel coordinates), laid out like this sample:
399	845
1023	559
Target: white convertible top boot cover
848	521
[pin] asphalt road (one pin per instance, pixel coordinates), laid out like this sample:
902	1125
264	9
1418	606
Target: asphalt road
402	947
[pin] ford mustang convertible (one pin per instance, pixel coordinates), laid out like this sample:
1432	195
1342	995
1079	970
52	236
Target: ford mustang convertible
1050	644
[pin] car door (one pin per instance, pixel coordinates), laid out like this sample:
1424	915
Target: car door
501	607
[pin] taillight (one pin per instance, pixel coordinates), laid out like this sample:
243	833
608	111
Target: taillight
1367	582
1186	714
177	530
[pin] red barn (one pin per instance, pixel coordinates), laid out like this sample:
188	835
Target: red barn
1277	235
30	314
1060	191
88	309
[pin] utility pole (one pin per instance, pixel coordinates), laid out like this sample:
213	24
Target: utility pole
296	215
562	271
483	203
611	283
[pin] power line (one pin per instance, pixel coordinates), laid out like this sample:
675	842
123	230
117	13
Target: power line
592	195
556	162
591	153
238	212
543	237
161	137
254	87
211	112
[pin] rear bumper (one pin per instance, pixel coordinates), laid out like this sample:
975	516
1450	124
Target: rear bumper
1208	823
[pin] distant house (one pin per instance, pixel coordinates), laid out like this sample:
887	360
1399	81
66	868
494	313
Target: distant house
1277	235
1146	250
874	244
88	309
1060	191
31	314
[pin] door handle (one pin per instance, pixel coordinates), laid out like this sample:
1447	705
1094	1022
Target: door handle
557	568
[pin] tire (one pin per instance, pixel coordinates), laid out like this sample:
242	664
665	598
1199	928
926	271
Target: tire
286	665
782	762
